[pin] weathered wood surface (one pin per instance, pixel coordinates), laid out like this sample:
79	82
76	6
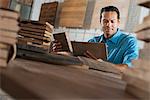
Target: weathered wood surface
144	3
73	13
24	79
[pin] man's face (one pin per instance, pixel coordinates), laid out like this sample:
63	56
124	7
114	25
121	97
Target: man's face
109	23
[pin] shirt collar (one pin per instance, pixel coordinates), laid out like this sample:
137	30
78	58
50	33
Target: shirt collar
114	38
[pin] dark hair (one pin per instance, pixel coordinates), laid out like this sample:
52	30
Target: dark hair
108	9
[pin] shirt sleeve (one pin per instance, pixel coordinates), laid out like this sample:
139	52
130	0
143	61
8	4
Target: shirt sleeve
132	51
95	39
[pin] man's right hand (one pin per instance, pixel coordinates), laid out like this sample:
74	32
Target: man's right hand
56	46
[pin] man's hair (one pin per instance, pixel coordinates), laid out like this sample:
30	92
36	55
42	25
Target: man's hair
108	9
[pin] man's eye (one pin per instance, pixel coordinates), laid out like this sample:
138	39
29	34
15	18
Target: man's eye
112	21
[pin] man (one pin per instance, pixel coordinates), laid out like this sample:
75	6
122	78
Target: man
122	48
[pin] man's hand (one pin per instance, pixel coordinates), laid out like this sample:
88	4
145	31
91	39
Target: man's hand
122	67
89	55
56	46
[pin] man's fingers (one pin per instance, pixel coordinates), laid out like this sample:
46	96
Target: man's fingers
56	46
91	55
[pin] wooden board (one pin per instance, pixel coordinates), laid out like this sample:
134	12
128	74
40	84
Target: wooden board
144	35
37	25
142	87
12	26
48	12
73	13
9	13
34	41
64	40
3	46
45	33
142	26
7	33
7	40
4	53
4	3
35	36
97	49
32	30
3	62
144	3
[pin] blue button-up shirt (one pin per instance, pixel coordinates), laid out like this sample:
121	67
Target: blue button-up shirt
122	48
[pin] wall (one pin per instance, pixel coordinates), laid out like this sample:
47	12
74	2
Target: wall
135	16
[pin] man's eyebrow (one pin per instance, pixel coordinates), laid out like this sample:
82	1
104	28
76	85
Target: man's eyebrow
109	19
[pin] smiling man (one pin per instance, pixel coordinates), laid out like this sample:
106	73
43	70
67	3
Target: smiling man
122	47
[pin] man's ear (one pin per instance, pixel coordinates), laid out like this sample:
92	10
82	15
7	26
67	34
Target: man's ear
118	22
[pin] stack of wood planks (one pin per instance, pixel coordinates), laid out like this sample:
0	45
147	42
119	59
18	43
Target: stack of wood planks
8	33
35	33
138	81
48	12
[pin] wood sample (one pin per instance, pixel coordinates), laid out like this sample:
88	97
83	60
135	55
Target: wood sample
64	40
41	25
4	3
73	13
144	3
48	12
97	49
9	13
3	53
143	30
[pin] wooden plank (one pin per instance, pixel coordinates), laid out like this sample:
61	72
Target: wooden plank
3	62
3	53
35	36
77	8
6	33
30	48
146	18
34	41
142	26
48	12
46	33
13	24
144	35
3	46
32	30
98	50
64	40
37	24
9	13
7	40
4	3
144	3
40	27
142	87
101	66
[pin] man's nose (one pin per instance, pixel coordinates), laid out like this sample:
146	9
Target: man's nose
108	23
